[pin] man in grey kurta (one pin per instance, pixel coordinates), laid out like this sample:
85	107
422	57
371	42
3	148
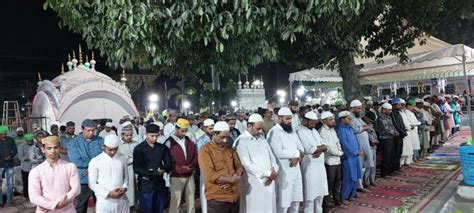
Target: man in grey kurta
360	129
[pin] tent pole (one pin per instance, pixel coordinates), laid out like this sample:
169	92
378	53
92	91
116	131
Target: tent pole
291	90
468	88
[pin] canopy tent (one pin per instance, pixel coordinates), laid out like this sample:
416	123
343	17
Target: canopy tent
445	62
316	75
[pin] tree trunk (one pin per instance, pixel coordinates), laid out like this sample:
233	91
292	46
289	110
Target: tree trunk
349	72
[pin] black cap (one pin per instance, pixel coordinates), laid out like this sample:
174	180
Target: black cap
152	128
70	123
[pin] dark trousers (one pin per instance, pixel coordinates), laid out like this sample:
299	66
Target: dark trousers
214	206
153	202
83	199
24	179
388	155
334	186
398	148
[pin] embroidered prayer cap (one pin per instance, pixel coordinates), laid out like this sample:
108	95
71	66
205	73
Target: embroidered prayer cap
182	123
50	139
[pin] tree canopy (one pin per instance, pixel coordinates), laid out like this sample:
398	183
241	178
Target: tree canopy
193	37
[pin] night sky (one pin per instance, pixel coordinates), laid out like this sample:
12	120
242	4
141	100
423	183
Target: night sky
32	41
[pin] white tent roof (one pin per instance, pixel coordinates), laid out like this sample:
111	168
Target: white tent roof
441	63
444	61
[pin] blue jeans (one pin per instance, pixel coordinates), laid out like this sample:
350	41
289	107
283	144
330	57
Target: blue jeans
153	202
9	177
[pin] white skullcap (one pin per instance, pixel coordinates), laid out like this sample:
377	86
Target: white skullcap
326	114
19	129
255	118
387	106
344	114
221	126
285	111
402	101
426	96
108	124
111	141
418	100
355	103
426	104
311	115
208	122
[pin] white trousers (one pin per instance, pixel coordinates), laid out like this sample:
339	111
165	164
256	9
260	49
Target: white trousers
406	160
314	206
202	195
294	208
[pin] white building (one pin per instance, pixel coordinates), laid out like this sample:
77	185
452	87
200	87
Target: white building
251	96
82	93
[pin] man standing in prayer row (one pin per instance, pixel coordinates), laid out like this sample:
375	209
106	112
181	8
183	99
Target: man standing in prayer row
81	150
107	131
222	171
413	133
351	171
24	151
234	132
314	173
66	138
126	147
184	157
257	191
332	159
288	150
387	133
8	151
399	125
150	161
407	150
360	129
208	127
241	123
295	121
54	184
108	178
170	126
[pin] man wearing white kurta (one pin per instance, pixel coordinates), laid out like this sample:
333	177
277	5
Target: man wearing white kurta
288	150
127	144
108	178
170	126
257	191
314	173
414	123
407	152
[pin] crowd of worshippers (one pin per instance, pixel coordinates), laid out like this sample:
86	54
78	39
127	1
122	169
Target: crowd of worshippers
267	161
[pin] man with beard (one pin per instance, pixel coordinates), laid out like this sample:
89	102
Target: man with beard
222	171
407	148
234	132
288	150
257	192
295	122
413	132
54	130
314	173
170	126
360	129
386	132
402	133
126	147
241	123
208	127
351	171
65	139
18	136
332	159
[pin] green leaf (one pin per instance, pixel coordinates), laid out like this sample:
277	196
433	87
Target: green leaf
221	47
130	20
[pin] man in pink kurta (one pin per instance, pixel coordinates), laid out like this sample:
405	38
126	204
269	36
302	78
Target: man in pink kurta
54	184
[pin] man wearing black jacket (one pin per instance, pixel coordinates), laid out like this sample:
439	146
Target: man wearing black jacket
401	129
150	161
